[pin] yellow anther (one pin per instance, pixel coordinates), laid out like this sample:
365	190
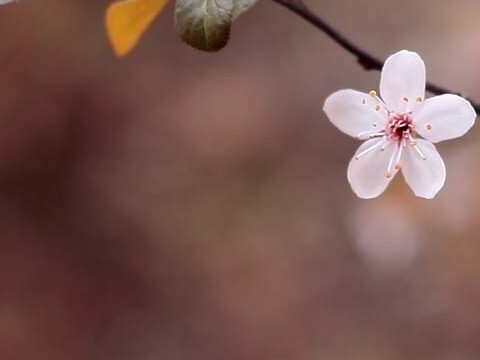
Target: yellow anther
377	107
419	99
373	93
428	126
388	175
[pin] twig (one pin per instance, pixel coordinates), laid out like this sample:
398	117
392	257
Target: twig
365	59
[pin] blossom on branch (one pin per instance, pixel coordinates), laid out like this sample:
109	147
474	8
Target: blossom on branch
399	128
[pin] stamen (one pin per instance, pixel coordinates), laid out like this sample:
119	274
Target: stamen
388	174
369	149
419	99
399	155
406	100
428	126
407	136
370	133
380	104
420	152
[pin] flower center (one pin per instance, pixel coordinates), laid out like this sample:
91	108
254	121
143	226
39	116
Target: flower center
400	127
399	130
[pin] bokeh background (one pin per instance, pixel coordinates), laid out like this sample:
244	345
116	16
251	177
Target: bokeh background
182	205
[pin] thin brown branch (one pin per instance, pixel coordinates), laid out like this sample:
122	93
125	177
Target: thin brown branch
364	58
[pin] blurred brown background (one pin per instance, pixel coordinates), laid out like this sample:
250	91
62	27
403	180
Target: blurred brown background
182	205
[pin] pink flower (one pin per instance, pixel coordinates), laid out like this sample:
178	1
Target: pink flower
400	129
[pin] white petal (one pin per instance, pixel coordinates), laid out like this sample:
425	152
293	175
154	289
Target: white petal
353	112
403	76
447	116
425	176
367	174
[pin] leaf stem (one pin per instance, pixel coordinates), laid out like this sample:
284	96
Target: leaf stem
364	58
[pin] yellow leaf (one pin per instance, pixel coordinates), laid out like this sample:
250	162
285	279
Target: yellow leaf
127	20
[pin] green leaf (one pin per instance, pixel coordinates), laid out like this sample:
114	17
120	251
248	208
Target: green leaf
204	24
